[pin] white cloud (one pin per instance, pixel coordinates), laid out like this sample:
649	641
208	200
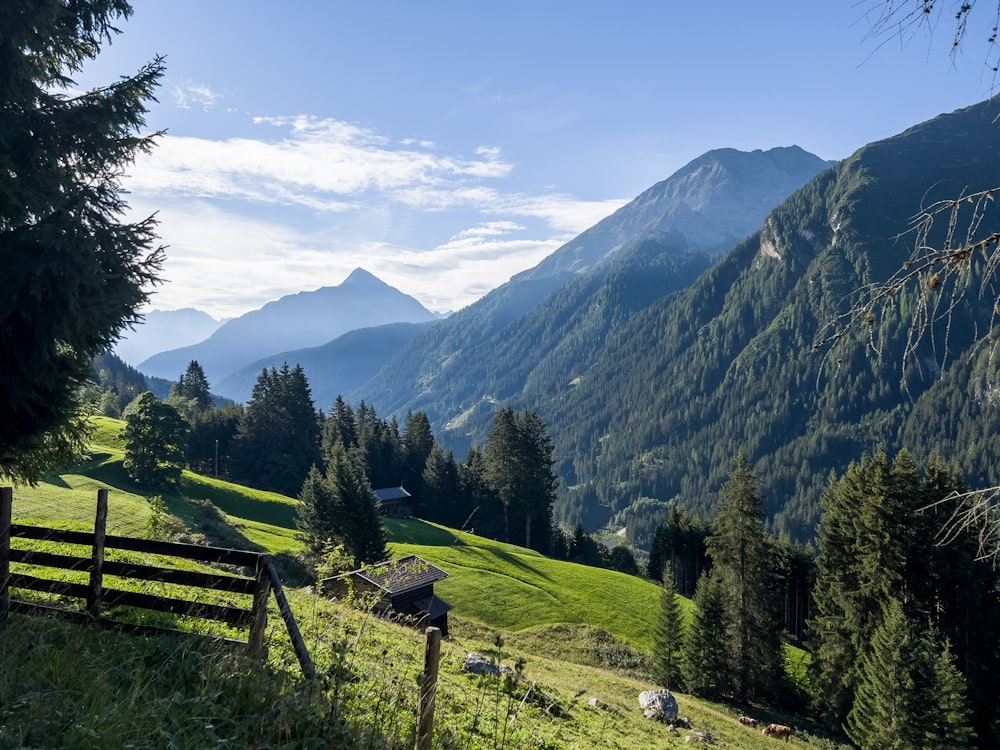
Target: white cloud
188	95
321	164
247	220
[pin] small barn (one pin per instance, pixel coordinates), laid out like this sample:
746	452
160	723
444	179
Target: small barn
405	587
393	502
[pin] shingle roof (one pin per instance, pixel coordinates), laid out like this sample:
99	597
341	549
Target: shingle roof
391	493
398	576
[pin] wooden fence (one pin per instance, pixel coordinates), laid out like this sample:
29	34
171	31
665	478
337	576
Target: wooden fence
259	584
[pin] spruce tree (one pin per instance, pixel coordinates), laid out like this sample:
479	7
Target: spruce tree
340	426
317	518
952	714
518	461
443	498
502	468
362	532
909	696
706	664
279	434
668	647
417	443
193	385
743	561
883	712
74	274
340	508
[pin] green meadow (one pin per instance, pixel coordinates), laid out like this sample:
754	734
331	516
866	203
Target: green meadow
577	632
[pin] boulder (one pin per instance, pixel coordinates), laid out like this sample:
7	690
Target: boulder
658	704
476	664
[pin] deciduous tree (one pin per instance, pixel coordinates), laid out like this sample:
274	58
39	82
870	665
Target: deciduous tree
155	438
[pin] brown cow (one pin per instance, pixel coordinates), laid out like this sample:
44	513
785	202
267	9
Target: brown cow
748	721
778	730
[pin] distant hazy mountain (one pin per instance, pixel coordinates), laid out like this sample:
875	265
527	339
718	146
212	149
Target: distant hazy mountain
297	321
334	369
165	329
491	349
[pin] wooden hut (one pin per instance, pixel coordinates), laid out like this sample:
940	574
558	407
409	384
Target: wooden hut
393	502
403	587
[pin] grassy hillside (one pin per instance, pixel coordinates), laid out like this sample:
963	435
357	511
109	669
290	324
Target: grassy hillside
560	620
63	686
514	589
508	587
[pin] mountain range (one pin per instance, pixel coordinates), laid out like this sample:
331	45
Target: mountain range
653	366
297	321
161	330
680	330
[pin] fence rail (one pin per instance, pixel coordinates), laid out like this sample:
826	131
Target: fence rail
96	595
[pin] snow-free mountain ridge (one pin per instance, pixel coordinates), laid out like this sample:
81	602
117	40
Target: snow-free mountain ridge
466	362
296	321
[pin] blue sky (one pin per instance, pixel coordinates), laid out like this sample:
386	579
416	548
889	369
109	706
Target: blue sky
445	146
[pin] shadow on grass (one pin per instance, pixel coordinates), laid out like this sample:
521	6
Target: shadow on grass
57	481
241	505
415	531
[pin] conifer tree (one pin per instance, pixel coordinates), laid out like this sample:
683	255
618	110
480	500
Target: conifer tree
884	709
668	649
706	663
279	434
443	497
418	441
340	426
74	274
340	508
193	386
679	541
518	462
952	714
910	695
743	561
484	515
362	532
318	516
379	450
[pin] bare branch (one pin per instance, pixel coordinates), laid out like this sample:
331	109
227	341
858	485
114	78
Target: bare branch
977	511
943	273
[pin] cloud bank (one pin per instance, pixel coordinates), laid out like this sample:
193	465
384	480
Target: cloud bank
305	201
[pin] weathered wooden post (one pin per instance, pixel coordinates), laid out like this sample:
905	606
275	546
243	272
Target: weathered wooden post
428	689
256	644
96	594
6	518
305	661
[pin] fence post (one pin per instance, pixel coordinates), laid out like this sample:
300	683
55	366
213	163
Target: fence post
256	644
428	689
308	668
96	594
6	518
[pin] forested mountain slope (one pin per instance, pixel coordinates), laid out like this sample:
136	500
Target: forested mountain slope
548	320
729	362
334	368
